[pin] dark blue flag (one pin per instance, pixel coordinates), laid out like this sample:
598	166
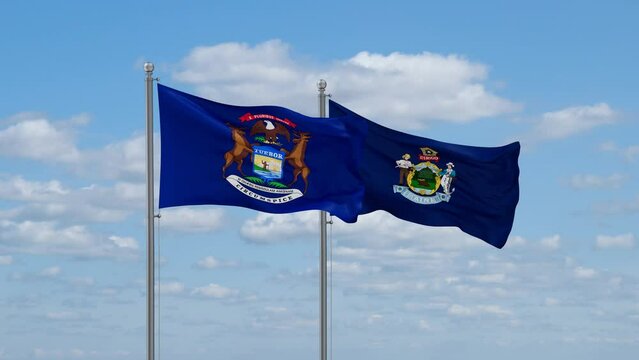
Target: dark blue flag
265	158
434	183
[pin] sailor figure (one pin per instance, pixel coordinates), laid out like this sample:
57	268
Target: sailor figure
447	177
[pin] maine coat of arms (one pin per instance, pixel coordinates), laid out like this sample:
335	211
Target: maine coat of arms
420	182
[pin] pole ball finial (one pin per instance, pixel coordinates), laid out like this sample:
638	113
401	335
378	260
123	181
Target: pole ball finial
148	67
321	85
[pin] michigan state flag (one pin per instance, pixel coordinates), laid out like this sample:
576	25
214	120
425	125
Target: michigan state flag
434	183
265	158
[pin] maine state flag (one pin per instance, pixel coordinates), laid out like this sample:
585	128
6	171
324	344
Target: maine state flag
434	183
265	158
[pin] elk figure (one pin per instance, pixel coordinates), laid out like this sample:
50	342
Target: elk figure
240	150
296	158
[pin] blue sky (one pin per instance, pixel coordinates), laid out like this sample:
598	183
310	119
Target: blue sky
558	76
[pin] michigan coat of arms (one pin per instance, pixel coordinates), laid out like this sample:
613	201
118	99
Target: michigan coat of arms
276	161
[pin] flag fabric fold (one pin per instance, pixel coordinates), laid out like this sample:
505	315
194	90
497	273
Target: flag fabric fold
265	158
435	183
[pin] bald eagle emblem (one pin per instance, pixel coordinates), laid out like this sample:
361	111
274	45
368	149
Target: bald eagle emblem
270	131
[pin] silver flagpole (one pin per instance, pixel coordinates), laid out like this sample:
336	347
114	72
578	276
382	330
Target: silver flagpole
321	87
150	254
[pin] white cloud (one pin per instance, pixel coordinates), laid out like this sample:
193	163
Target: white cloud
361	253
389	287
494	310
83	281
6	259
17	188
623	241
382	230
171	288
73	353
466	311
38	139
51	271
516	241
581	272
374	318
279	319
123	160
425	86
612	181
629	153
571	121
48	354
63	315
451	280
377	229
423	324
124	242
627	206
273	228
353	268
47	238
240	70
215	291
276	309
309	274
51	200
34	137
459	310
39	353
190	219
78	353
608	146
551	242
210	262
549	301
490	278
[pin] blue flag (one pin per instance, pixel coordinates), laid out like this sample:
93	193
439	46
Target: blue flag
434	183
265	158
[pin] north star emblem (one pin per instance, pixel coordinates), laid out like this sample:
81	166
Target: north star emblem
271	152
420	182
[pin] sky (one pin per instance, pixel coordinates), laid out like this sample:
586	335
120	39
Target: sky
558	76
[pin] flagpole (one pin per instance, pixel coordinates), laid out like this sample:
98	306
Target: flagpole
321	87
150	255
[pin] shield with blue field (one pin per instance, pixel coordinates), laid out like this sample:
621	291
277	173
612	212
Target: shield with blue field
267	163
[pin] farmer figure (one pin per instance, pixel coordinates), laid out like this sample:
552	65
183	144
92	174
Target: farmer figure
404	166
